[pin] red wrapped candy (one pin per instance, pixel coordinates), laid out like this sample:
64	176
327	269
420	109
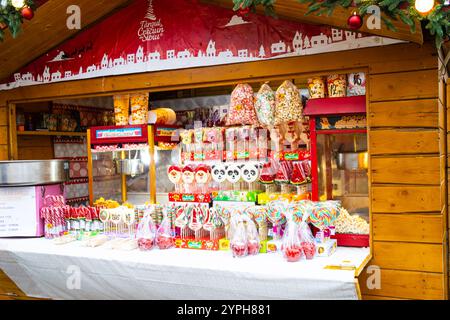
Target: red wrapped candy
146	232
293	253
145	244
253	247
309	249
239	249
165	242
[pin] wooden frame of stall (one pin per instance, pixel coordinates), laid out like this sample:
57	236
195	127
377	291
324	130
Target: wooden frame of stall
407	149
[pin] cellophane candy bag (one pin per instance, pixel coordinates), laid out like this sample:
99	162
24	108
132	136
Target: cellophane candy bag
265	105
238	236
146	232
242	107
288	103
307	240
253	243
291	247
164	235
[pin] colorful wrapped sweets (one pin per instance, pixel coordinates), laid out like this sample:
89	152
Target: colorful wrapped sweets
242	108
288	103
265	105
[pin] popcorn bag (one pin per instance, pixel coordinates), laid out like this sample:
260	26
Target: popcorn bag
139	108
288	104
121	109
145	234
242	108
316	87
337	85
265	105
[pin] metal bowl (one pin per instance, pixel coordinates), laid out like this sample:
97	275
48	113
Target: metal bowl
33	172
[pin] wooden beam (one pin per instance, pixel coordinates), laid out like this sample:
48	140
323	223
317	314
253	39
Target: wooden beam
293	10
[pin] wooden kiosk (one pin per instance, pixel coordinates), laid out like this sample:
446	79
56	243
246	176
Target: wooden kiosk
407	104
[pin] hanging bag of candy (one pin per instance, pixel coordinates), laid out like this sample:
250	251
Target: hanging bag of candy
288	103
307	241
146	232
265	105
164	235
242	108
238	236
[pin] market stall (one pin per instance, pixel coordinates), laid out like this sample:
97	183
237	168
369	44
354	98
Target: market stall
290	178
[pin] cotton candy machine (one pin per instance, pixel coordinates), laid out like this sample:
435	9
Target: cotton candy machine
24	185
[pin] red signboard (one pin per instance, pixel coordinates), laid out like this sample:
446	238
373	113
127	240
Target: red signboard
151	35
119	134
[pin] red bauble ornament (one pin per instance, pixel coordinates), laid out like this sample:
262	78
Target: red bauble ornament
27	13
243	11
355	22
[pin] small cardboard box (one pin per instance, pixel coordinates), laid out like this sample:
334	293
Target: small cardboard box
326	248
204	244
273	246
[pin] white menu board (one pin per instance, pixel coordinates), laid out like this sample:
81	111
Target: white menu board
18	212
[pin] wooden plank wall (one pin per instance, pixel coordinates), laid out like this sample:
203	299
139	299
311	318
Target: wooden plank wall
408	186
446	106
4	133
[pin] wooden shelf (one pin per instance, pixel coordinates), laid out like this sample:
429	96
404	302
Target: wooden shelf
51	133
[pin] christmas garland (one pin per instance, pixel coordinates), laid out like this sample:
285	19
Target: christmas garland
12	13
437	21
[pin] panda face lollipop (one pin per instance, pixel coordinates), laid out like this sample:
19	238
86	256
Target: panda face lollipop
233	173
250	173
219	172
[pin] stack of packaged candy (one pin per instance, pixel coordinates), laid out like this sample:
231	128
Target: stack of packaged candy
54	213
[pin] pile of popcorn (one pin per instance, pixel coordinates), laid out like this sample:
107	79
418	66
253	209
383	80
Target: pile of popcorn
354	224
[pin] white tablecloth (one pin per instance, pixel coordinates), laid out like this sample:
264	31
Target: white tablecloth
44	270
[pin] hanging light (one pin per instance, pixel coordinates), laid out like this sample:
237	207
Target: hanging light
18	4
424	6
